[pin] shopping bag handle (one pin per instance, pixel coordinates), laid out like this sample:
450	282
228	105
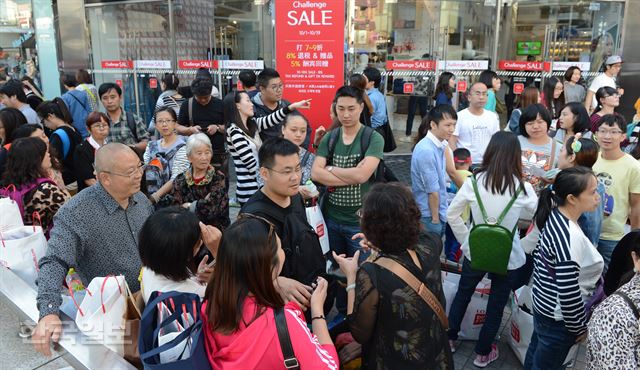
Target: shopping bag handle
36	216
73	298
9	187
104	282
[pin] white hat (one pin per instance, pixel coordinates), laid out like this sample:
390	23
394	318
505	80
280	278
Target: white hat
614	59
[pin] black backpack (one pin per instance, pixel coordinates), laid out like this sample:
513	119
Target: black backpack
381	174
304	259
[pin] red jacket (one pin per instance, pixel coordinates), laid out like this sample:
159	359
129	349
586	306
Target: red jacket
257	346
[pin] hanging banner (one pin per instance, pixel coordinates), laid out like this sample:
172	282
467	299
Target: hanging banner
413	65
309	53
117	64
563	66
463	65
517	65
153	64
195	64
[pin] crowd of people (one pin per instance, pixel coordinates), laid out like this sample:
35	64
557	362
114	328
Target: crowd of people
552	202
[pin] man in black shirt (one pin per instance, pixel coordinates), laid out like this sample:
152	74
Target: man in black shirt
203	113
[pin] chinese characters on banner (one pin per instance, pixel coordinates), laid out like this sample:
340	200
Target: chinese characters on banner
309	53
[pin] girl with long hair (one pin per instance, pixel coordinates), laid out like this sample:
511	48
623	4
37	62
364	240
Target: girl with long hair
499	180
445	88
553	96
243	304
566	269
243	139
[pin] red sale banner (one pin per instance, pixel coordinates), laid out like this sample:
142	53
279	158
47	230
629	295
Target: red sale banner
195	64
309	53
518	88
117	64
407	88
516	65
462	86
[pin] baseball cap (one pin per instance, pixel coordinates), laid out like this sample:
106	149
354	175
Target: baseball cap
614	59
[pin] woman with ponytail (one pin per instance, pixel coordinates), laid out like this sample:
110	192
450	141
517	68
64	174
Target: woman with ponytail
566	270
64	137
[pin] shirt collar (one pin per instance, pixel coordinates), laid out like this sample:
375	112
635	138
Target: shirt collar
439	144
107	200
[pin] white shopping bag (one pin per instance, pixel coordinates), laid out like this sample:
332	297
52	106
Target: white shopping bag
522	326
315	219
100	315
10	217
476	310
21	249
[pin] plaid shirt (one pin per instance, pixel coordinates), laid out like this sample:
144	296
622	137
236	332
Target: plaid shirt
119	132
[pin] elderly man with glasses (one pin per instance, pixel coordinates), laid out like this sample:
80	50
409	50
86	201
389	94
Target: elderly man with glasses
96	233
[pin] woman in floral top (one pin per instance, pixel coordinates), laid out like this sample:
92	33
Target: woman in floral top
201	188
396	327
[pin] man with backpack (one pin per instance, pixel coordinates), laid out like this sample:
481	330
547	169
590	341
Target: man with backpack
345	172
279	202
125	127
78	103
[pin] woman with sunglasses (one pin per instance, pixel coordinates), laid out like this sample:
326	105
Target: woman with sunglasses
243	302
169	243
608	100
243	139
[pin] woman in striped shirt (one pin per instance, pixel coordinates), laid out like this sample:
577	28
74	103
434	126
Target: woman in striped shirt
243	139
566	268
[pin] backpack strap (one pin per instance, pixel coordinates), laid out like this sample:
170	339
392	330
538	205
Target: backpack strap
485	218
417	285
553	152
131	123
632	305
290	360
190	111
365	141
66	142
333	141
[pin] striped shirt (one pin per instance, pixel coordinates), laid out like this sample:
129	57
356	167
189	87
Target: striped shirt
244	151
566	269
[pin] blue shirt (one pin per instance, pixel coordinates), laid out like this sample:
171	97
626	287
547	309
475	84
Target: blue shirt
379	117
428	174
78	103
442	98
591	222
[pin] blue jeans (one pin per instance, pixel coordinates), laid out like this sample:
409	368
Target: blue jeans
550	344
501	286
340	242
606	247
451	244
433	228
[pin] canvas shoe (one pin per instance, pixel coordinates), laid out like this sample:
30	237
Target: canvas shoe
483	361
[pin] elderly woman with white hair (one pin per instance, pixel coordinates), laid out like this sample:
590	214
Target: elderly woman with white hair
201	189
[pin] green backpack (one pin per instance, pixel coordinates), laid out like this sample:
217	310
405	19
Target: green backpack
490	243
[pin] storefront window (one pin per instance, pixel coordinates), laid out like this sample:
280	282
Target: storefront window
17	40
557	30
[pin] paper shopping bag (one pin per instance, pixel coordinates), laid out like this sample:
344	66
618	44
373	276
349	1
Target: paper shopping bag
100	316
10	217
21	249
476	310
316	220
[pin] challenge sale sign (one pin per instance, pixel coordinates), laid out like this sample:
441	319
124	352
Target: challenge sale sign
309	53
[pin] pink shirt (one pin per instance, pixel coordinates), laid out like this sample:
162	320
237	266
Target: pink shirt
257	346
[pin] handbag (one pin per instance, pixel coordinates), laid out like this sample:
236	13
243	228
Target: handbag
290	360
132	315
21	250
476	312
10	216
387	135
187	347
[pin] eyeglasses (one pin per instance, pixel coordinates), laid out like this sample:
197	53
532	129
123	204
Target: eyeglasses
139	169
603	133
272	227
276	87
100	125
288	171
165	121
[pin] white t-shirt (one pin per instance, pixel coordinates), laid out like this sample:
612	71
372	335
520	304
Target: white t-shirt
598	82
152	282
474	132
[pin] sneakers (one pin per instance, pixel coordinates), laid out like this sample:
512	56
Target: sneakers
406	139
452	345
483	361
